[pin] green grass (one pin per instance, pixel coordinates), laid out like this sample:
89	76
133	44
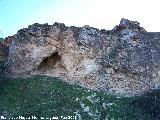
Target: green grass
47	96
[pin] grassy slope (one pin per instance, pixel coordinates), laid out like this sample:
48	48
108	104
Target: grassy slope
47	97
43	96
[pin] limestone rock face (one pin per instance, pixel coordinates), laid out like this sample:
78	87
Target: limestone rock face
123	61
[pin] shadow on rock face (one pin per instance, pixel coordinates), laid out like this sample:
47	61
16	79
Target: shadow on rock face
149	103
49	62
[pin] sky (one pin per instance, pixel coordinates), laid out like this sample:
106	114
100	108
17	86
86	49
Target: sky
102	14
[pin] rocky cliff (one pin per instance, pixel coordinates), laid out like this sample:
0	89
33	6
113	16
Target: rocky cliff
123	61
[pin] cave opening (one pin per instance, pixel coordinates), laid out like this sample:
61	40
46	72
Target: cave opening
49	62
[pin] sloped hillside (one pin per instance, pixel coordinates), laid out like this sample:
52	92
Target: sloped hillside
81	73
43	96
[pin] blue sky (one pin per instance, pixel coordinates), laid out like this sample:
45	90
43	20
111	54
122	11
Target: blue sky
17	14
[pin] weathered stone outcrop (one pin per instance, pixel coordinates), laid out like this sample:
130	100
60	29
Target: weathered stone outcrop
4	49
123	61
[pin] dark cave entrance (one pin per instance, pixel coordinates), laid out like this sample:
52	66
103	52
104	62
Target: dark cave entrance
49	62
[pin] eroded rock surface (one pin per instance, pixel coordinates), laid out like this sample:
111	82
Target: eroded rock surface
122	61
